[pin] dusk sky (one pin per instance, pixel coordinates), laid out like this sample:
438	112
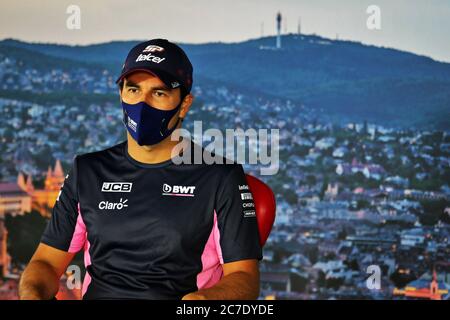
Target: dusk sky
419	26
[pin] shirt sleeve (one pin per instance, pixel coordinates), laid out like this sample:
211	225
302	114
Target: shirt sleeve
65	230
236	219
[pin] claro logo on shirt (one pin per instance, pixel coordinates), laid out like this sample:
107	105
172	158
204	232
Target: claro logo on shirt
179	191
107	205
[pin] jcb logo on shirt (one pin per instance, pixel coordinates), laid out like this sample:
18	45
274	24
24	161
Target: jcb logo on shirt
116	186
181	191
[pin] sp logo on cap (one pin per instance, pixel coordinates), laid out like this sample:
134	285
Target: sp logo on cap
153	48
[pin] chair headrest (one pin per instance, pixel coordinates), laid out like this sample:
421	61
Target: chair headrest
265	206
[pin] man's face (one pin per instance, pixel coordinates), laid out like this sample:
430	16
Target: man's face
143	86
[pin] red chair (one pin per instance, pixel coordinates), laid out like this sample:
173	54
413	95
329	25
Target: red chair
265	206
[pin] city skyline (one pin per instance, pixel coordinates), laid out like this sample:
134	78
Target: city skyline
412	26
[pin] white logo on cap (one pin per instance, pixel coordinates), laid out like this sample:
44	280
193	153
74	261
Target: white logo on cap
149	57
153	48
175	84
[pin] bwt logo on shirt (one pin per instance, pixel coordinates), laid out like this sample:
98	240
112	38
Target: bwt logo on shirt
181	191
116	186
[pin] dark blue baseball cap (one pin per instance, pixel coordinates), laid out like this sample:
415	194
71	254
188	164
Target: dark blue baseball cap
162	58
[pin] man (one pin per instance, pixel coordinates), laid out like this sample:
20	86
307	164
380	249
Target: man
151	229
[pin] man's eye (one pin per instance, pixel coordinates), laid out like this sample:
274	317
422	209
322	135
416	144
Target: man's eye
159	94
132	90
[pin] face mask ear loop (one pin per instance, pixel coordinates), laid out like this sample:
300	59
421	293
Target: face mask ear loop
124	117
166	127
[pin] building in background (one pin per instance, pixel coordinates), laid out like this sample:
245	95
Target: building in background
44	199
279	30
423	288
278	20
13	199
5	259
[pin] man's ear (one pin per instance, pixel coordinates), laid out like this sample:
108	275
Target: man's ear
121	86
186	105
120	94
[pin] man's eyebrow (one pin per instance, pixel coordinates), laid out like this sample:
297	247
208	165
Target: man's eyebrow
129	83
162	88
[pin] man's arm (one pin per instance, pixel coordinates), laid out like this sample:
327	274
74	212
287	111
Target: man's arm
239	282
40	280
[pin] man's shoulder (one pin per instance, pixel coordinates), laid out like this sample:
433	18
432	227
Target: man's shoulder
211	161
110	152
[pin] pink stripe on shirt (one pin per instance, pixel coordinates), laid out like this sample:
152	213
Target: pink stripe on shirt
211	259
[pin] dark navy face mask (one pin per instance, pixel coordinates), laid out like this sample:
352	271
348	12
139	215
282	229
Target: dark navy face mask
146	124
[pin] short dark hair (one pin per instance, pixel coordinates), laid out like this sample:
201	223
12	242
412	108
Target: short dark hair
120	84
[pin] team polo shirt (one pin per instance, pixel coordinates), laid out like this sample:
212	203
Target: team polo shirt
152	231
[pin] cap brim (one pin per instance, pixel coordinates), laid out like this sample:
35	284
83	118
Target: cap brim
157	73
